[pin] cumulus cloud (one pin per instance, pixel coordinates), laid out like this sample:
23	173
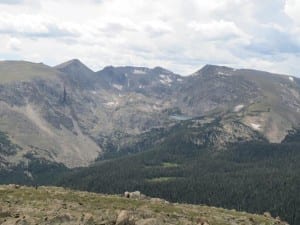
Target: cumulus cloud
34	26
156	28
217	30
11	1
181	35
14	44
292	9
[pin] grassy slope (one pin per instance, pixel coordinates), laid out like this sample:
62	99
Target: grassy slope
21	71
51	205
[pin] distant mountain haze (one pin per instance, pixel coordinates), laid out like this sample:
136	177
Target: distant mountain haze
72	115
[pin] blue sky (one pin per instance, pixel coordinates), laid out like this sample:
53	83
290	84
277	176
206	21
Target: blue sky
180	35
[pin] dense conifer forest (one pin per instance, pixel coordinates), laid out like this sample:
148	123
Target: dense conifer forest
254	177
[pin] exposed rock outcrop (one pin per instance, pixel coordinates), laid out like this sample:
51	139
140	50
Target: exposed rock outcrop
54	206
123	218
134	195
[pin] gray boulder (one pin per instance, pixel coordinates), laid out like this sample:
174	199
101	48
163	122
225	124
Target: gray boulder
123	218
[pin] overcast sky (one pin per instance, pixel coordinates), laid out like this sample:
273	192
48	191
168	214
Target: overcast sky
180	35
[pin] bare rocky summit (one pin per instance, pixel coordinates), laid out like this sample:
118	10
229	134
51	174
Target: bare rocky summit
20	205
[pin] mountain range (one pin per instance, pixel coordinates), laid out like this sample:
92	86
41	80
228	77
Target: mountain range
220	136
72	115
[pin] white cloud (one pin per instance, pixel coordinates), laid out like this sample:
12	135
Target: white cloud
156	28
217	30
35	26
11	1
292	9
181	35
14	44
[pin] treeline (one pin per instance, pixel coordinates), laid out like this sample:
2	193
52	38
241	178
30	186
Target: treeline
32	173
6	146
254	177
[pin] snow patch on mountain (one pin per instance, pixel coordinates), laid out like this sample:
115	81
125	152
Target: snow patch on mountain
137	71
117	86
165	79
223	74
111	104
238	108
255	126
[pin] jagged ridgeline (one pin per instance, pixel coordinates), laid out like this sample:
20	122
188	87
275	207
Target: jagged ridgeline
72	115
184	138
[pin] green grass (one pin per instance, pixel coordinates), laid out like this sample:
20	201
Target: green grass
51	202
259	107
22	71
169	165
161	179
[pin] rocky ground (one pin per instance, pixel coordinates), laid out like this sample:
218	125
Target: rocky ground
53	205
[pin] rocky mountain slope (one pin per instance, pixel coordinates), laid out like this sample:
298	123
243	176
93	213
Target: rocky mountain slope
36	118
266	102
50	205
71	115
